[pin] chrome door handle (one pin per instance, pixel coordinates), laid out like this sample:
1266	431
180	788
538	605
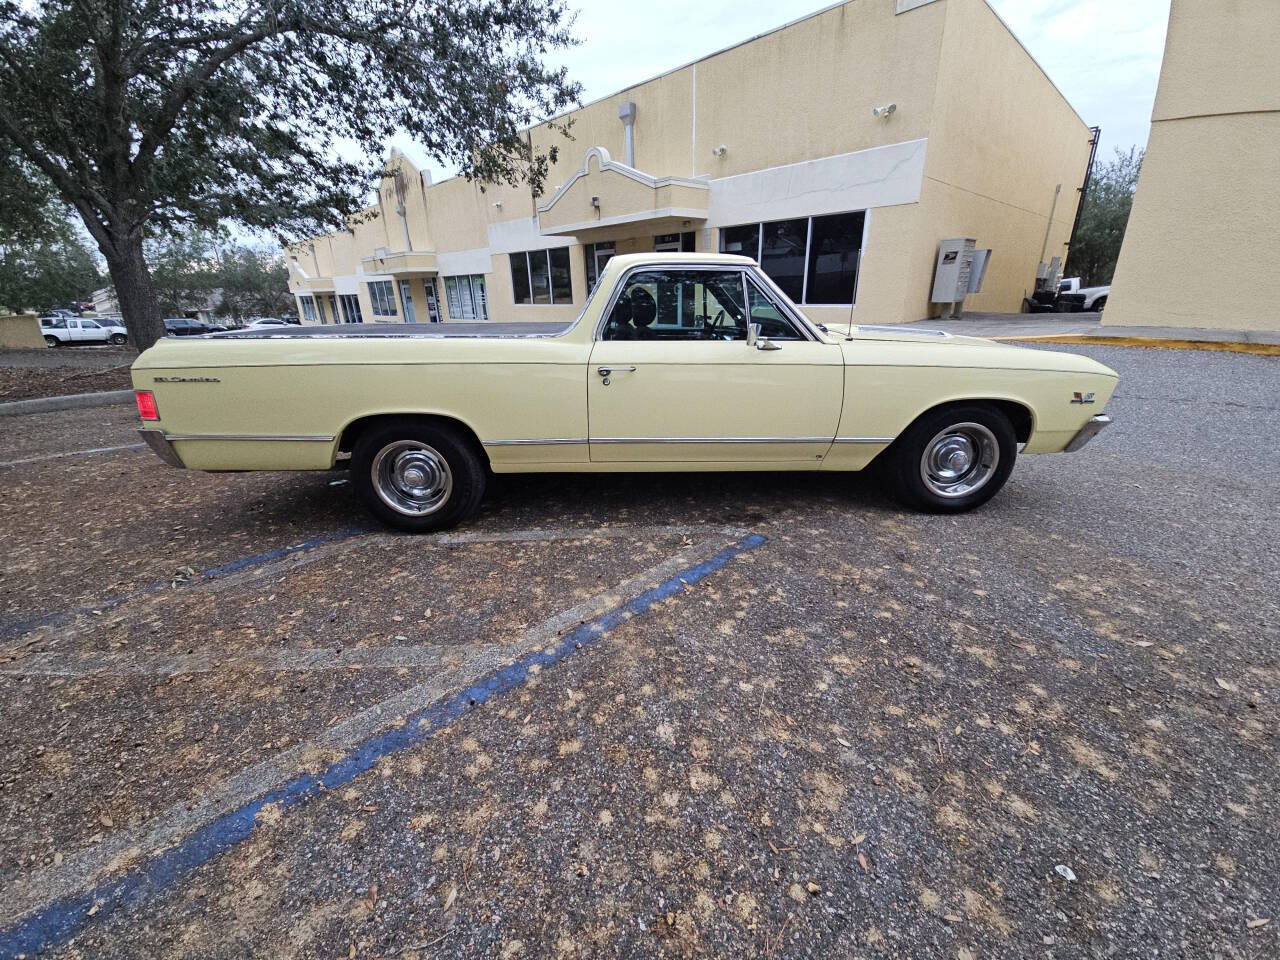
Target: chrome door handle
606	371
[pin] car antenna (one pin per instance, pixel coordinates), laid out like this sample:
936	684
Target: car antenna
853	302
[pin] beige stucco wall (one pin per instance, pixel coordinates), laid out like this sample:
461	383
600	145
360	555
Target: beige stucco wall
1003	137
21	332
1205	224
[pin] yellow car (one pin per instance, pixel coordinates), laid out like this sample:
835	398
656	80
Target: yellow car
678	362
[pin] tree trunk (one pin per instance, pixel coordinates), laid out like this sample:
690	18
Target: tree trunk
135	291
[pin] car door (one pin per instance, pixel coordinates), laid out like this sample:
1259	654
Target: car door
92	332
675	377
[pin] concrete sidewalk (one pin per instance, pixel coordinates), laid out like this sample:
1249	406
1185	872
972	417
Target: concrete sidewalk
1088	328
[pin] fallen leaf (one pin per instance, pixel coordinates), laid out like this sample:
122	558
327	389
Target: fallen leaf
372	897
953	918
1258	922
105	820
812	887
862	862
859	839
1143	643
1229	687
450	896
57	858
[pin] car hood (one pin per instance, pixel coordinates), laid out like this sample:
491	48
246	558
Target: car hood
984	352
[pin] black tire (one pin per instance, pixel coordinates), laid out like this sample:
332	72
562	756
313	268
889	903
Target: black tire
117	339
393	454
1099	305
923	460
52	342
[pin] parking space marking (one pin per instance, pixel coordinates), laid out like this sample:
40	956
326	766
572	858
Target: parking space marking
53	903
72	453
267	564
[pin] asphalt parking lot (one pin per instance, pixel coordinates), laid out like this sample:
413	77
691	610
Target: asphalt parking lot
700	715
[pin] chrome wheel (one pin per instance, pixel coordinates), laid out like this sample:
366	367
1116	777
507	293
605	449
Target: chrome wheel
412	478
960	460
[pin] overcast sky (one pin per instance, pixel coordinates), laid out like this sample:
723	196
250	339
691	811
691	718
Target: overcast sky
1104	55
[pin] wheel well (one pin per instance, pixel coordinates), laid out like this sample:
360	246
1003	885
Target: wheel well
1019	415
352	432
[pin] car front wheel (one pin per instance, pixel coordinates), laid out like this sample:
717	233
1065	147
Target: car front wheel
417	476
954	459
117	339
52	342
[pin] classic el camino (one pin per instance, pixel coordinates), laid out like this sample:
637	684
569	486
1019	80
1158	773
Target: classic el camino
677	362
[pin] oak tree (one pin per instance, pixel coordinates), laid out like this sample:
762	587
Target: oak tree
152	115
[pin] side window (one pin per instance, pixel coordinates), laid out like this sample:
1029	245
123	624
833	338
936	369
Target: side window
773	324
679	305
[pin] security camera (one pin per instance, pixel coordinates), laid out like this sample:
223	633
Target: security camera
719	151
884	112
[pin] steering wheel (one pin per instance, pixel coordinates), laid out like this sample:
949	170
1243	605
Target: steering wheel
712	327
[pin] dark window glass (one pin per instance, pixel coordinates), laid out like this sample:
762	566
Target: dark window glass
540	275
782	254
561	283
687	243
679	305
589	262
743	241
520	278
833	258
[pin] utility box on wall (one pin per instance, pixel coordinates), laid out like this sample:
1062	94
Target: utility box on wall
951	276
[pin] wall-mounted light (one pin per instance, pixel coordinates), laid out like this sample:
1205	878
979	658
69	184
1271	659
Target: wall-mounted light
719	151
497	204
595	202
884	112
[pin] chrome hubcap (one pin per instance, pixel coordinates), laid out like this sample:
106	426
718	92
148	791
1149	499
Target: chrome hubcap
412	478
960	460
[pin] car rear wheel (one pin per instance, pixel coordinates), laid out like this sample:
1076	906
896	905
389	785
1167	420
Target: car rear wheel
954	459
52	342
416	476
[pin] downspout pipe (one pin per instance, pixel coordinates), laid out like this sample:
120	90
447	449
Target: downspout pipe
627	114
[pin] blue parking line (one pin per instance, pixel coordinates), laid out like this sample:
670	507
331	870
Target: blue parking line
61	919
14	628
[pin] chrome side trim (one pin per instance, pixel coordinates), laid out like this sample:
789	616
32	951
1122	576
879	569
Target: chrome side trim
289	438
710	439
864	440
1088	432
161	447
532	443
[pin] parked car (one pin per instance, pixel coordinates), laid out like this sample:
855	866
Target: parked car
184	327
1076	297
679	362
59	329
267	322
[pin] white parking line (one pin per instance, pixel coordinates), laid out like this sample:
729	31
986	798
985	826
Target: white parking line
23	894
72	453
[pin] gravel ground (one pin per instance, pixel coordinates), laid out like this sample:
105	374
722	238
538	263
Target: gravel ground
876	734
26	374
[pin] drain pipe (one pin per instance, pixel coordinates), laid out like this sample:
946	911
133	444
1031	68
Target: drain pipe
627	114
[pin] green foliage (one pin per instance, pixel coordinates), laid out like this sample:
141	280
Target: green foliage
51	268
1106	214
253	283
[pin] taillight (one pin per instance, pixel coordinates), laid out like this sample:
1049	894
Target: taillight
147	409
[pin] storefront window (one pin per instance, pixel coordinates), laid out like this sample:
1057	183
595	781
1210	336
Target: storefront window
541	276
383	298
466	297
814	260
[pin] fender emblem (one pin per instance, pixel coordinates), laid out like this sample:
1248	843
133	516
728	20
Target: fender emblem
1079	397
211	380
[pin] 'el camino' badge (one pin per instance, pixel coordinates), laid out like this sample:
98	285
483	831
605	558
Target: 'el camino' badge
216	380
1079	397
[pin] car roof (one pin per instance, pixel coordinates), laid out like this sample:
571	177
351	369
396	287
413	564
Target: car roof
626	260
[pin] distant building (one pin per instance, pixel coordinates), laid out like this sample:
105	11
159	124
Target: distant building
1202	238
838	150
105	303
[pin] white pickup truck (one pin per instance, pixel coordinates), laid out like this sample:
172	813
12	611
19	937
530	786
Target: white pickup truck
59	330
1082	298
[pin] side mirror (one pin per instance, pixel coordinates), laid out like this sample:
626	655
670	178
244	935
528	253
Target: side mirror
753	334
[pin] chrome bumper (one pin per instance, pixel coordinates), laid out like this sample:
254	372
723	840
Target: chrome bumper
1087	432
163	449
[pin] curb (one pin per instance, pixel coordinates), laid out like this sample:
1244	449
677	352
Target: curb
45	404
1159	343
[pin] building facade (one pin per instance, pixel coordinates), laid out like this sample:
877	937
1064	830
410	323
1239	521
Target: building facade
1206	217
838	151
